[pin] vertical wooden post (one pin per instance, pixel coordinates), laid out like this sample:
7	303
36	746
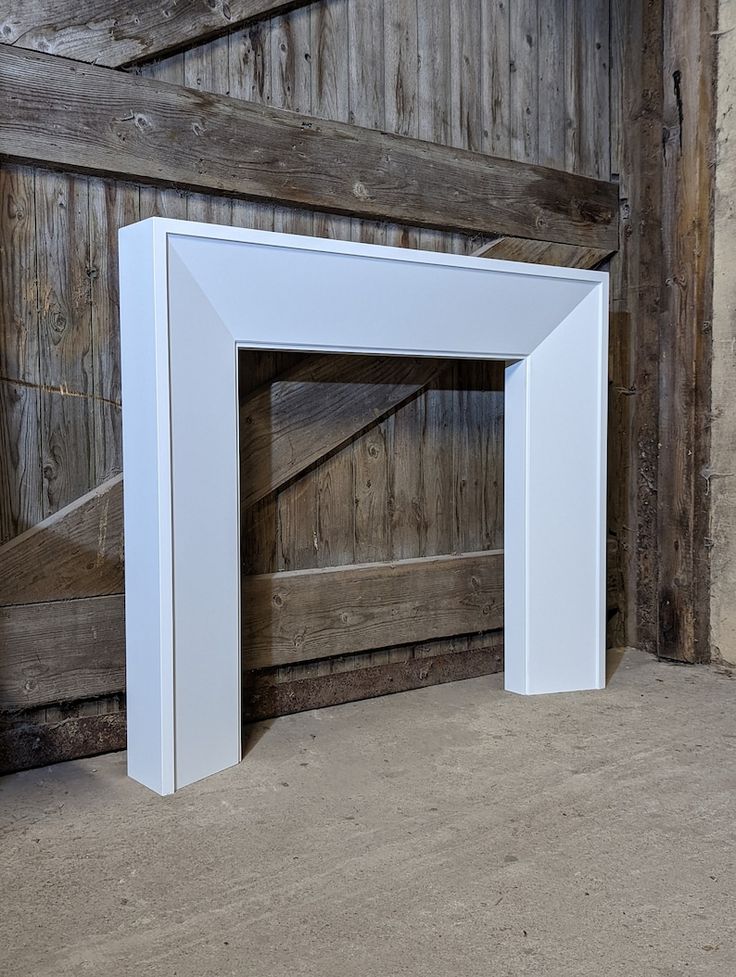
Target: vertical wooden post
636	277
688	70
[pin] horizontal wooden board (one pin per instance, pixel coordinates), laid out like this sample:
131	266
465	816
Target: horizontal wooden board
76	552
264	699
24	745
314	408
61	651
90	119
117	34
64	651
308	614
544	253
27	739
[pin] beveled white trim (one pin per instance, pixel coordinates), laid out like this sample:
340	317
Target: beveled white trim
192	294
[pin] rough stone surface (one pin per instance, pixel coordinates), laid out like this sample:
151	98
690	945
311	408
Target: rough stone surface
722	468
445	832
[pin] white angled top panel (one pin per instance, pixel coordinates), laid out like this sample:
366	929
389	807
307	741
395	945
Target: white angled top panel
450	306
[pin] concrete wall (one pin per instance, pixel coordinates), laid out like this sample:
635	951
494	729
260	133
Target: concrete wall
722	470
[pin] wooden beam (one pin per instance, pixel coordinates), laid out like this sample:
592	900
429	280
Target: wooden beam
544	253
24	745
68	650
264	698
66	115
120	34
308	614
61	651
27	740
683	501
636	290
316	407
76	552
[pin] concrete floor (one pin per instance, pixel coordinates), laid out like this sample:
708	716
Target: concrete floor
447	832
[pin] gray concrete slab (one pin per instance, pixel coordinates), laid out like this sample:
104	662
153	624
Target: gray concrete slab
446	832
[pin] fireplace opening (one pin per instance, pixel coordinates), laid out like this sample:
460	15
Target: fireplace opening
372	525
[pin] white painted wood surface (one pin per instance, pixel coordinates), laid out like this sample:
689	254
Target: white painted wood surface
191	295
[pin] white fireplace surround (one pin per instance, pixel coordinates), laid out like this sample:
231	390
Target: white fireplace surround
192	295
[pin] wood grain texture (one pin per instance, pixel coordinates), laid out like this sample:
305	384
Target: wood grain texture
636	283
551	106
465	54
264	698
20	377
250	79
543	253
685	339
436	474
406	509
26	744
207	69
311	614
524	83
62	650
119	34
260	523
111	206
477	456
371	463
366	87
98	121
495	99
400	62
21	503
586	58
314	408
19	351
65	337
434	91
77	552
465	70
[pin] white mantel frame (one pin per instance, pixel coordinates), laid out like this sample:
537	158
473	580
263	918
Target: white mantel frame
192	294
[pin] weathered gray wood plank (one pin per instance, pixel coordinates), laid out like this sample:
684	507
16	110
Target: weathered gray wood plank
314	408
85	118
77	552
19	351
264	698
543	253
310	614
685	342
20	451
60	651
37	743
118	34
111	206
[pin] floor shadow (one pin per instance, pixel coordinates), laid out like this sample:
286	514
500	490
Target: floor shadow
614	657
253	733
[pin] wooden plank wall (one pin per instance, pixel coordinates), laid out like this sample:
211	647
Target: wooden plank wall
523	79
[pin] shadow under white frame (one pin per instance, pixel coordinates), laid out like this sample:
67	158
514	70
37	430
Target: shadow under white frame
192	294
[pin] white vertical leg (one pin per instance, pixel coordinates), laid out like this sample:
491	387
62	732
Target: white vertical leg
555	509
515	525
149	619
206	507
182	506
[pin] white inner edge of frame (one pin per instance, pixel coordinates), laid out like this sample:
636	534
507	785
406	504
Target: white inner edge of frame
192	295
